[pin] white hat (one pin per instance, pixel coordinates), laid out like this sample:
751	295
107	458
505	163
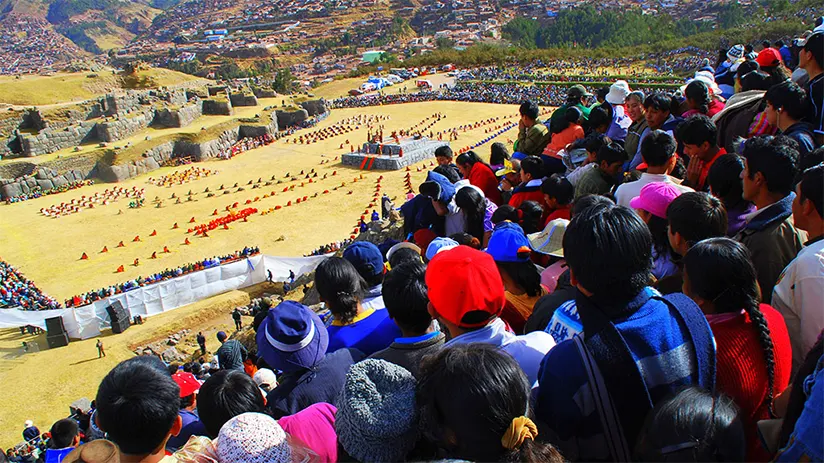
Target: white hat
265	376
618	92
401	245
707	78
28	423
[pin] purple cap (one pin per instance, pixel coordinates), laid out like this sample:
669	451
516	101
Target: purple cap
655	198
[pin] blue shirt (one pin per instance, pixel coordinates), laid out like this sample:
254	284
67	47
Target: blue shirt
369	332
192	426
660	345
57	455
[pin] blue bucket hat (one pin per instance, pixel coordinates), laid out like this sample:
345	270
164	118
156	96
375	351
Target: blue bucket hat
365	257
508	243
292	337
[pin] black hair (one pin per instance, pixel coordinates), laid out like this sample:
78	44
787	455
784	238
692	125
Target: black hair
571	116
755	80
765	43
599	117
466	239
779	43
587	201
815	45
498	154
692	425
746	67
470	158
534	166
679	170
558	187
609	250
137	405
696	130
529	109
659	101
449	172
473	206
789	98
186	402
601	93
404	292
812	187
403	255
468	396
774	160
720	270
172	368
657	148
530	216
660	239
523	274
611	153
63	433
696	216
443	152
187	367
341	287
725	182
797	395
226	394
748	48
595	141
505	212
699	93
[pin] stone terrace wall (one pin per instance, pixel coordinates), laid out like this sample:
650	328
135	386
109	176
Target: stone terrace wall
152	159
291	118
264	92
179	117
217	107
124	126
315	107
44	178
241	99
51	140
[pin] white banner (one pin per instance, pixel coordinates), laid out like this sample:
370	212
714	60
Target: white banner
87	321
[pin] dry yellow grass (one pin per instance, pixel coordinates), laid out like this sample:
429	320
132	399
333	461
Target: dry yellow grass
48	250
67	87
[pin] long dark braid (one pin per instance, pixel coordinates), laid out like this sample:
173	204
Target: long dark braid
760	324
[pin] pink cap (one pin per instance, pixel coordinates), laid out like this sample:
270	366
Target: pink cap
655	198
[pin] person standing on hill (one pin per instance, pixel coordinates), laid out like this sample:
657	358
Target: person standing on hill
201	341
231	354
101	352
236	318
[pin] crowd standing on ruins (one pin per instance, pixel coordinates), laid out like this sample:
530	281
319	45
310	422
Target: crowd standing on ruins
638	278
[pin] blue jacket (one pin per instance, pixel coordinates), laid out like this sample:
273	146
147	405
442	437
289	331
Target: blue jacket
802	132
805	442
660	343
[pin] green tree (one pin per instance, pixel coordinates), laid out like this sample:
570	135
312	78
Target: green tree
283	82
444	42
521	31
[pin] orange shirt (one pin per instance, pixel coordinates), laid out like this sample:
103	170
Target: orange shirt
563	138
705	170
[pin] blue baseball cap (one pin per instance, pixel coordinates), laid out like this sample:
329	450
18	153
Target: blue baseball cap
366	257
519	156
508	243
439	244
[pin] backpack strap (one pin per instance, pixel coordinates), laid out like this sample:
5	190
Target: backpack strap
700	334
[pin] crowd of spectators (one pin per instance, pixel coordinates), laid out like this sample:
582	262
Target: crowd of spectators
169	273
245	144
17	291
636	292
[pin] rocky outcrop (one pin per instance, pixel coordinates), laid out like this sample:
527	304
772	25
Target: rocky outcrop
120	103
208	149
315	107
253	131
217	107
178	117
217	90
152	159
291	118
242	99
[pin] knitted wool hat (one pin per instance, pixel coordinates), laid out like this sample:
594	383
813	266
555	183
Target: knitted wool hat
377	416
253	438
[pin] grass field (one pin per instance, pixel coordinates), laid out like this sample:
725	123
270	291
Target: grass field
341	87
48	250
73	87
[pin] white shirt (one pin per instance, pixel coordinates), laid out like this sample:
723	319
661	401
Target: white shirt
627	191
799	297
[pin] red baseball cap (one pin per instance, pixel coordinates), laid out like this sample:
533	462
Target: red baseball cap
465	287
187	382
768	57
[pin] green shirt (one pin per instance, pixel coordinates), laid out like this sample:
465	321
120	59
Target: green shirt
593	182
532	141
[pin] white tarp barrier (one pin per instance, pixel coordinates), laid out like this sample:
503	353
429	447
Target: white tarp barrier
87	321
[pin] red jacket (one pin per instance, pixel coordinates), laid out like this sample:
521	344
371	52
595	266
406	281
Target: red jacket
482	177
742	372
